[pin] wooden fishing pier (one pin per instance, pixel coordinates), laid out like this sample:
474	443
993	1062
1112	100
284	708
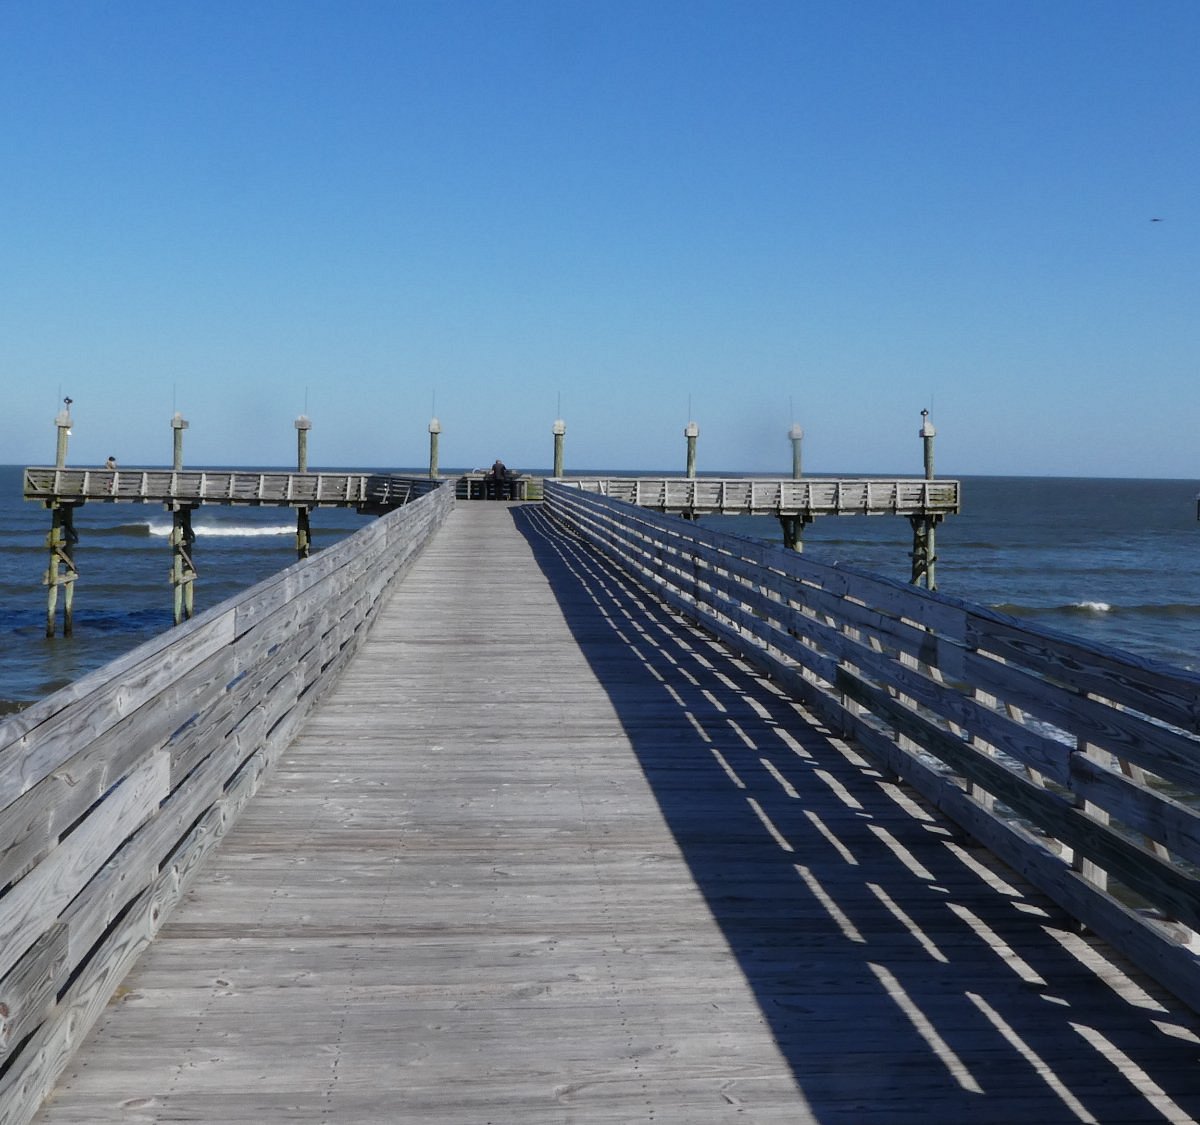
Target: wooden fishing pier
795	503
575	811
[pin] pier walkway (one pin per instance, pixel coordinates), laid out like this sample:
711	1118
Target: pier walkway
547	854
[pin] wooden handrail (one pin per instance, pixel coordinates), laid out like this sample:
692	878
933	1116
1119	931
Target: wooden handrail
779	496
368	491
115	787
1095	751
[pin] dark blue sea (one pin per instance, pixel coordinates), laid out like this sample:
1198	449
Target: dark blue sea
1115	561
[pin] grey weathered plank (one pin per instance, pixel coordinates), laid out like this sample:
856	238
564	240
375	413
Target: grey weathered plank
32	906
503	875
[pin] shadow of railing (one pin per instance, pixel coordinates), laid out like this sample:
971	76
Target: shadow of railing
904	974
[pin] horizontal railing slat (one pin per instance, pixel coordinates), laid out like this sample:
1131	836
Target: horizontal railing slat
112	789
1004	708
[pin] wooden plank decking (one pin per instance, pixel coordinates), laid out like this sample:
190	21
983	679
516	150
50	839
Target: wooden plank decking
545	855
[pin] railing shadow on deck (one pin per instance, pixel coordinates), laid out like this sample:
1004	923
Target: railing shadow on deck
904	973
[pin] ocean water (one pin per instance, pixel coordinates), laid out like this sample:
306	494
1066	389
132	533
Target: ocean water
1113	561
123	595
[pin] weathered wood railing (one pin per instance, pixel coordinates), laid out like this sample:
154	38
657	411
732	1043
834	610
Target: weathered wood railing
774	496
478	485
113	789
1077	764
369	492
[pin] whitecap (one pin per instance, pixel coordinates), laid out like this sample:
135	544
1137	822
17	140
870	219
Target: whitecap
229	531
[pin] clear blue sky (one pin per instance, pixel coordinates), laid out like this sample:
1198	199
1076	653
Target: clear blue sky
835	213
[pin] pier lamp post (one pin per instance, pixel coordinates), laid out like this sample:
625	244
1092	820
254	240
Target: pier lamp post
435	431
303	425
303	531
691	431
796	436
927	435
560	429
63	423
178	425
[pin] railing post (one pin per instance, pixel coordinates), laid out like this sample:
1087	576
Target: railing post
1091	871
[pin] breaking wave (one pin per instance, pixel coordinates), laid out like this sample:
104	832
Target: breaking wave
1091	608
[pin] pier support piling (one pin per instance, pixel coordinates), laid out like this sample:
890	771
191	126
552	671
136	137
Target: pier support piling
793	530
61	571
924	555
924	552
303	532
61	539
183	569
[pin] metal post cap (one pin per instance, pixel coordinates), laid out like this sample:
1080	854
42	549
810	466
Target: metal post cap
304	422
178	422
435	427
796	432
560	427
691	430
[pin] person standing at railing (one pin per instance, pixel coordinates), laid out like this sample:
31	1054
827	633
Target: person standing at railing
498	478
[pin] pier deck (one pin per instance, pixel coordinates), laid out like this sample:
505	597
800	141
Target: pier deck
546	855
